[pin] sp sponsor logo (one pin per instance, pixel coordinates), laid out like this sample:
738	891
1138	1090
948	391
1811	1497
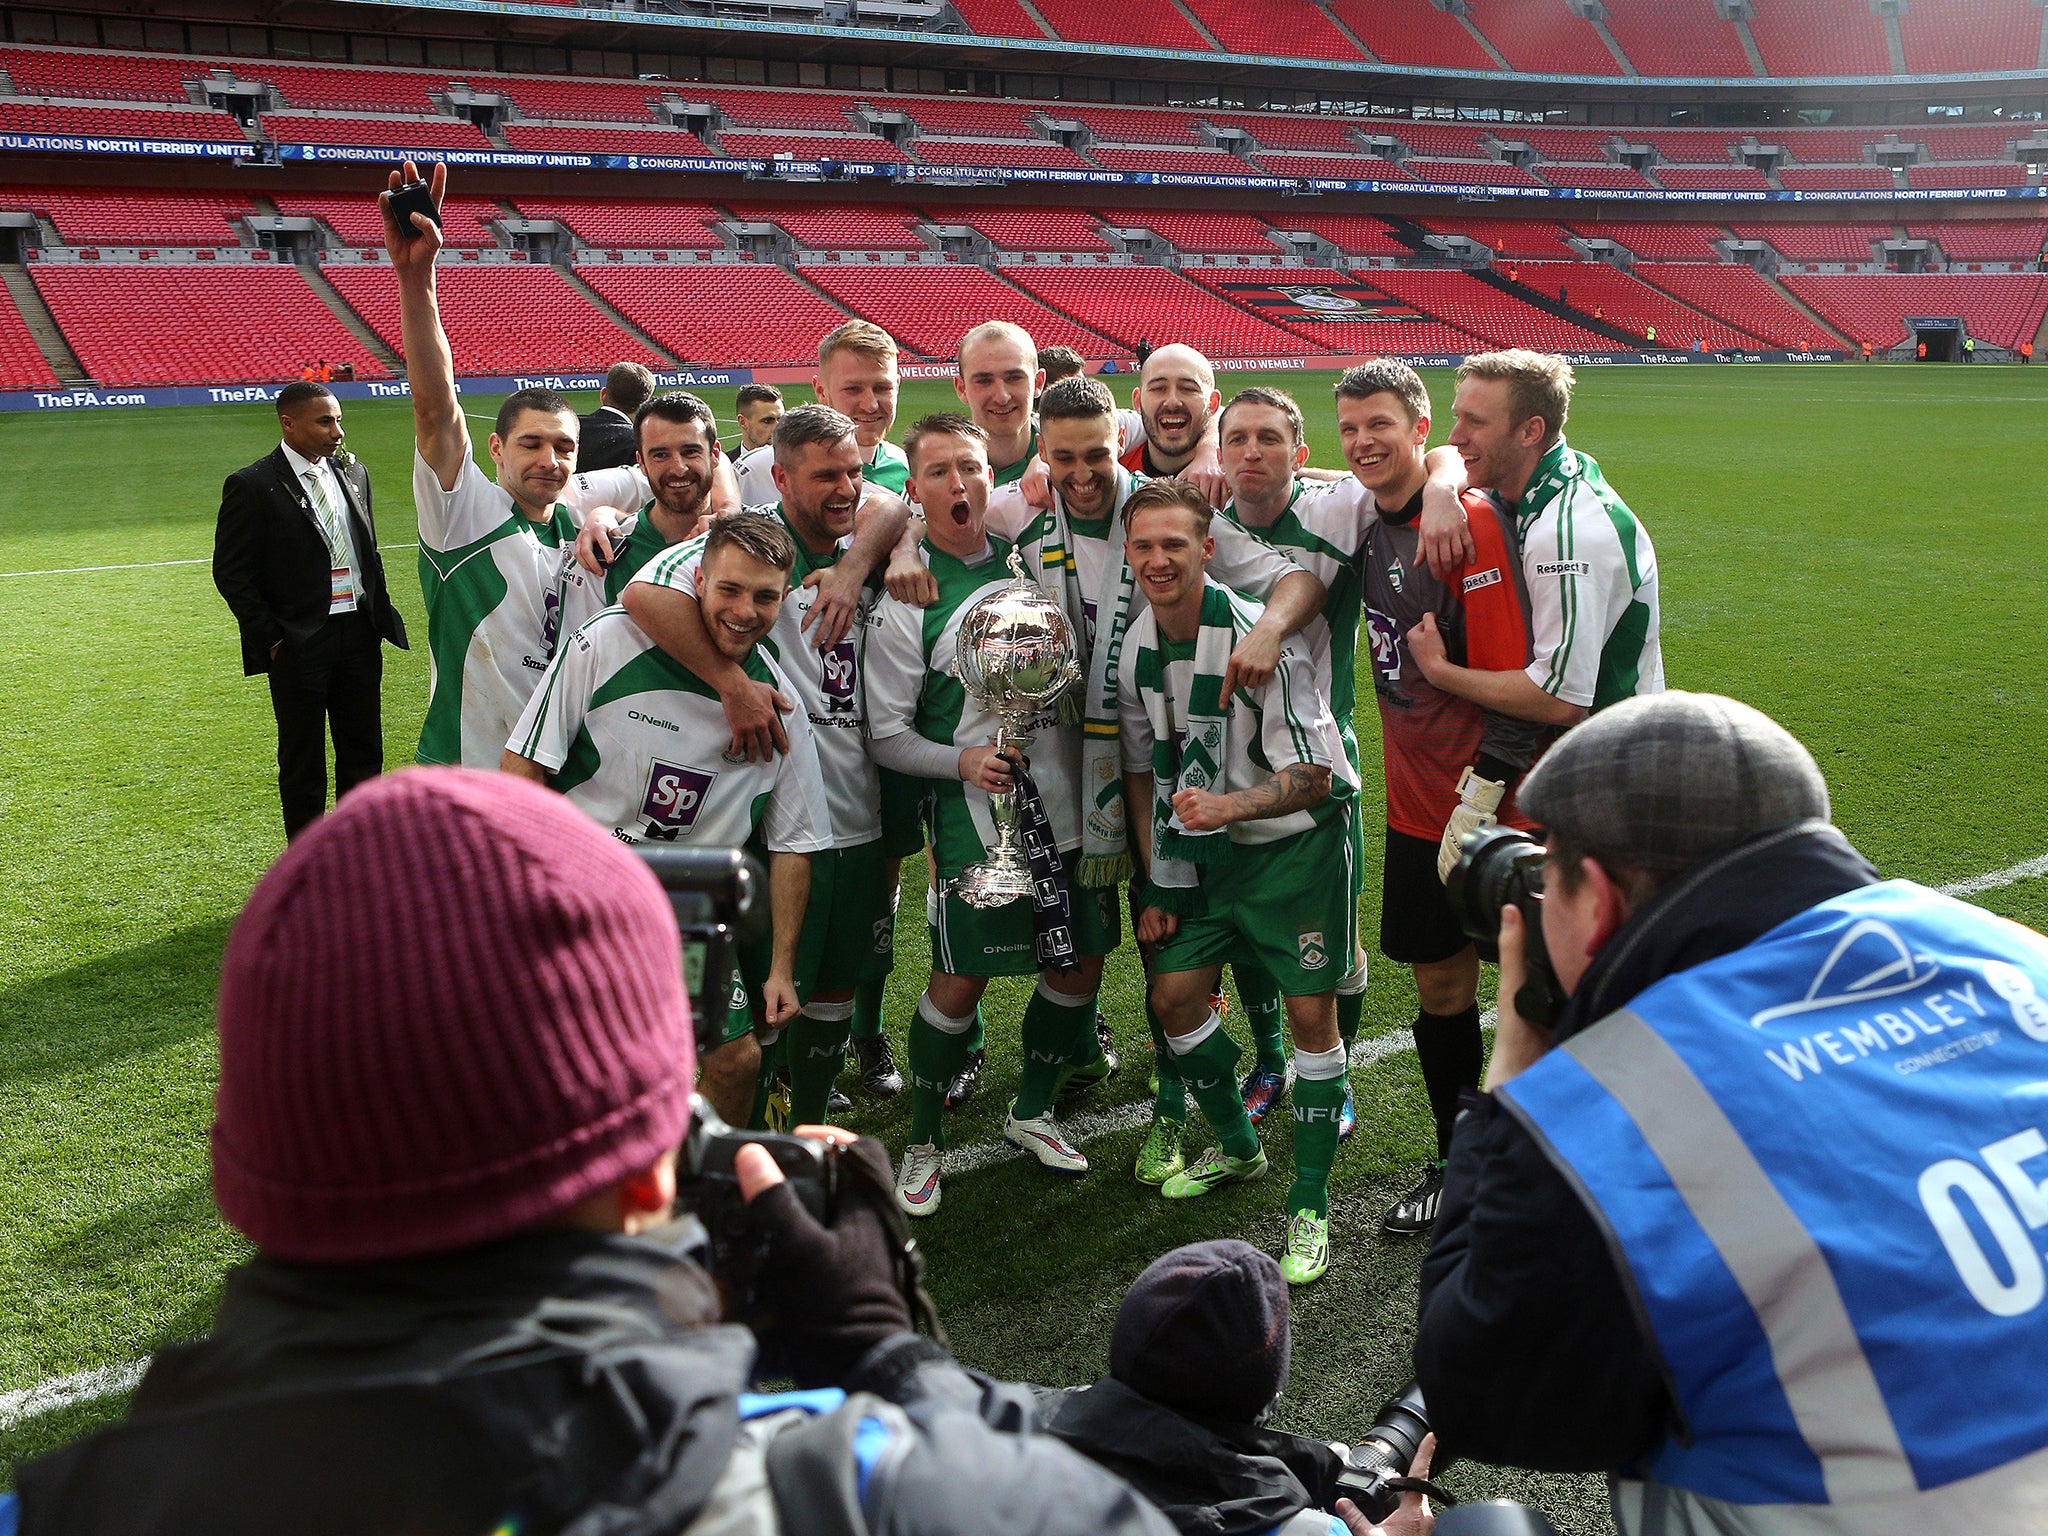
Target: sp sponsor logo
550	619
675	798
1479	579
837	666
1314	953
1386	644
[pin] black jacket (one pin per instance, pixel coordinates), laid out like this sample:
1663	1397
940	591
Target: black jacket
1528	1350
1209	1479
271	563
605	440
557	1381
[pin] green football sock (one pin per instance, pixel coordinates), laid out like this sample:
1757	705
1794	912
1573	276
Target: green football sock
817	1052
1317	1102
977	1032
867	1007
1172	1102
936	1056
1210	1071
1264	1015
1053	1029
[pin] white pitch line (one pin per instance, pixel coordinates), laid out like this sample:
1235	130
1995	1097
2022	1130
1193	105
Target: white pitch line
63	1391
144	565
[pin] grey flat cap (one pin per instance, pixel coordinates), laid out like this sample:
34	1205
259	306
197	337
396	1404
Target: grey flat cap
1663	780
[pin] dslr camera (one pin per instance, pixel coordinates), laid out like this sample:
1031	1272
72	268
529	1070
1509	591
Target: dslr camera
720	897
1499	867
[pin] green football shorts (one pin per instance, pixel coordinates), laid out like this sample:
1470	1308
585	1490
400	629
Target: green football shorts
1290	907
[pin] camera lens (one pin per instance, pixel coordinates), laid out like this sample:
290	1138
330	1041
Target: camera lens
1494	868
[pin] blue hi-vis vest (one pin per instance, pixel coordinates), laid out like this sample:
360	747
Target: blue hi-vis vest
1824	1159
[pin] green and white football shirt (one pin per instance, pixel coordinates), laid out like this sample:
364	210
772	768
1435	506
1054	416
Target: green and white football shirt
756	471
911	687
1592	579
640	744
827	682
1323	531
887	467
580	593
1285	722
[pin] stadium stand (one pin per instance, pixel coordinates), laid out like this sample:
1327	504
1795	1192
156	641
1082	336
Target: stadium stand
1204	233
1390	332
1303	131
863	147
22	364
1543	37
929	308
1130	303
1470	173
1986	239
1829	178
858	227
631	226
500	319
194	324
2001	308
1591	175
970	119
1979	143
1635	307
1738	296
1291	28
341	87
1588	145
1186	162
1029	229
139	216
355	219
1412	32
1688	146
98	76
1129	125
1677	37
1355	234
1507	237
1657	242
2005	174
599	101
722	314
1818	37
1442	140
1018	152
1499	319
186	124
998	18
1712	178
1820	146
585	140
1351	167
1956	36
397	132
1148	23
1818	242
777	109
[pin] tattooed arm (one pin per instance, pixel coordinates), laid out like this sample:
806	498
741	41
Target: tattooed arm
1294	788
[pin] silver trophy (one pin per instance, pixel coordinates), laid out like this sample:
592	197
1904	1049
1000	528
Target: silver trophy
1017	656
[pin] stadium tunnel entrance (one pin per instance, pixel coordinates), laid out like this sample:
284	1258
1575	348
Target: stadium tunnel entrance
1937	338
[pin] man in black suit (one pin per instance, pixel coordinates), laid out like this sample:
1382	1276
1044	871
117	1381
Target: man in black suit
295	555
606	439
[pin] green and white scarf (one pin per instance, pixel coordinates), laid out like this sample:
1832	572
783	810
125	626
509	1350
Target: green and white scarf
1193	756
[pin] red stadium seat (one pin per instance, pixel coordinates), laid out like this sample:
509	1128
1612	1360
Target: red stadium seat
2004	309
193	324
1355	234
1986	239
1657	242
396	132
1412	32
134	215
998	18
1961	36
22	364
1385	334
1507	237
188	124
1296	29
1802	178
928	308
2006	173
1677	37
1819	37
1130	303
737	314
500	319
1713	178
1010	152
1222	234
1591	175
864	147
356	221
579	140
633	226
1817	242
861	227
1499	319
969	119
1743	298
1149	23
1543	37
1028	229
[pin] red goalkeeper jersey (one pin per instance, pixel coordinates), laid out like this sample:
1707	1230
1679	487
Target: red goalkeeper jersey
1429	737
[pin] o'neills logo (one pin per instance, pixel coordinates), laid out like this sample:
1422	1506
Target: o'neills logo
1564	568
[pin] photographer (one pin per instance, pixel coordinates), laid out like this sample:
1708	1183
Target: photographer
1197	1362
1708	1233
455	1066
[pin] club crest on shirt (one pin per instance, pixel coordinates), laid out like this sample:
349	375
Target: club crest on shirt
1314	956
675	797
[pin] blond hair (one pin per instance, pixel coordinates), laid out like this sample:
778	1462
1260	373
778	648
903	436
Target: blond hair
862	337
1539	384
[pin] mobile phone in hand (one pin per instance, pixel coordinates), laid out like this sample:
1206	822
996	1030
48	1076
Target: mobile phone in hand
414	197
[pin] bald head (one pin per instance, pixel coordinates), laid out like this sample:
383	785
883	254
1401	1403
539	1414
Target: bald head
1177	396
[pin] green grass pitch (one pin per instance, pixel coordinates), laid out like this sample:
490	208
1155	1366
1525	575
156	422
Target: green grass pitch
1860	551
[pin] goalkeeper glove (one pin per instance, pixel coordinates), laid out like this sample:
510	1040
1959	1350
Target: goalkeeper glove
1478	799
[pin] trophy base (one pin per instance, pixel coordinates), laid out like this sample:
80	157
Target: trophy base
993	885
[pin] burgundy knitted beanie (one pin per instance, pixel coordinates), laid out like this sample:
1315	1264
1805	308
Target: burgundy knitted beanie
452	1009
